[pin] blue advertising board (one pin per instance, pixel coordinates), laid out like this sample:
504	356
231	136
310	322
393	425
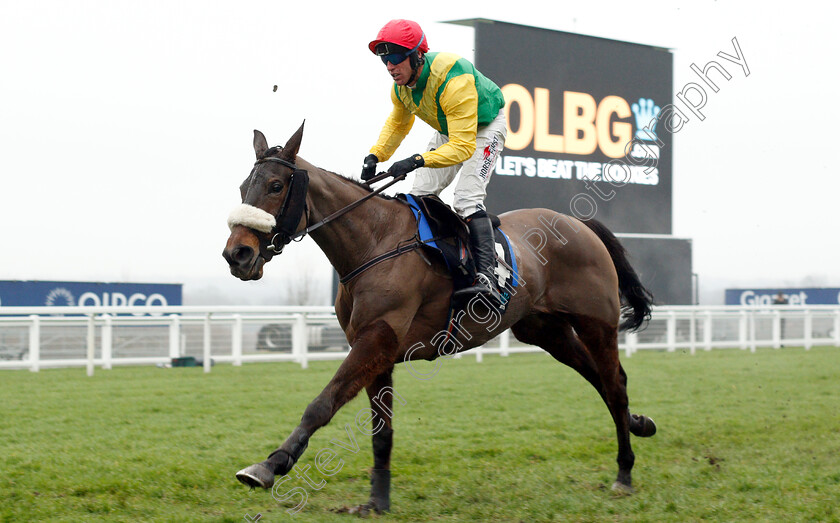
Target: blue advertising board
794	296
87	294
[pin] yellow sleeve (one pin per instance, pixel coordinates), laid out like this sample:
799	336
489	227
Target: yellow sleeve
459	102
396	128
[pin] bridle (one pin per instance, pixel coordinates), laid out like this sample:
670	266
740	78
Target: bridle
293	209
294	205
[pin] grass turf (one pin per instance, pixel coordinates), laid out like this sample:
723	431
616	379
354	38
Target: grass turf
742	437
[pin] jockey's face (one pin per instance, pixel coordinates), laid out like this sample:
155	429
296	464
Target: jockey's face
401	72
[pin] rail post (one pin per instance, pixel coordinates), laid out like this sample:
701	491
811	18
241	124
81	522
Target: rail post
206	343
107	341
671	331
504	343
174	336
91	344
692	333
742	329
837	328
707	331
35	343
299	340
631	341
809	329
237	340
777	329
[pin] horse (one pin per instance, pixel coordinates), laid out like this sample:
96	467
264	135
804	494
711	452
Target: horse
577	290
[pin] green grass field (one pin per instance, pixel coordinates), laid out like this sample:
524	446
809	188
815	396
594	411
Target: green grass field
742	437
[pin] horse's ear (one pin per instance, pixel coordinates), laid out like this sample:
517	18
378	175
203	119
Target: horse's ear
260	144
293	145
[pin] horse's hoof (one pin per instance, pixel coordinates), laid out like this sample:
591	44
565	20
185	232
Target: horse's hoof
622	489
362	511
642	426
256	476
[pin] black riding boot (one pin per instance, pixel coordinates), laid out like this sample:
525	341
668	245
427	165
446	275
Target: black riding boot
484	254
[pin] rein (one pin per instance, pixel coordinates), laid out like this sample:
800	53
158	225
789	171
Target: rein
345	210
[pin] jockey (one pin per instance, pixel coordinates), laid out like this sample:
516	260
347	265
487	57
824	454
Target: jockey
465	109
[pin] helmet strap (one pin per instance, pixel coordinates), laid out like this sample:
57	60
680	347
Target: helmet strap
416	62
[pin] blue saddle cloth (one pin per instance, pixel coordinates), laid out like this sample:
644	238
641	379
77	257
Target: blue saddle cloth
424	230
453	247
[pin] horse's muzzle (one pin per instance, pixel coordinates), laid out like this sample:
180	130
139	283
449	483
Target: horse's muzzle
244	262
243	259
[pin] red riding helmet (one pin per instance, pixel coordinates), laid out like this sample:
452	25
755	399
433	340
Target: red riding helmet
404	33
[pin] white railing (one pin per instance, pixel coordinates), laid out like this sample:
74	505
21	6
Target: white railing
40	337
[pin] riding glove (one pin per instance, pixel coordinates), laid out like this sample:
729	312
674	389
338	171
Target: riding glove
369	169
403	167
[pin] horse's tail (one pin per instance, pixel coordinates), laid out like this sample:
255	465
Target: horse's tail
636	299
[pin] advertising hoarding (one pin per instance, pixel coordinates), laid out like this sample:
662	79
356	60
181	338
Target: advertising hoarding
87	294
793	296
583	134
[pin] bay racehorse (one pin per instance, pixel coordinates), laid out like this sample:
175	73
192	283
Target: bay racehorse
576	290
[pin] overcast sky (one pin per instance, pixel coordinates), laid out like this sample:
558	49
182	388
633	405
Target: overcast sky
126	126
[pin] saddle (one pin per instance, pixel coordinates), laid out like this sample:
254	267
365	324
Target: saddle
447	235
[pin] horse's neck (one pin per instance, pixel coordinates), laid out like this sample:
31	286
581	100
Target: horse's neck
353	238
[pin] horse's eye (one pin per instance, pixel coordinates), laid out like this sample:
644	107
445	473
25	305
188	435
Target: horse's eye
276	187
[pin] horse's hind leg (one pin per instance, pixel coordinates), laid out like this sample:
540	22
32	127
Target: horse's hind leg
600	341
556	336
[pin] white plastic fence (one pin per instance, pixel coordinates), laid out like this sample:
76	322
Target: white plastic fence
41	337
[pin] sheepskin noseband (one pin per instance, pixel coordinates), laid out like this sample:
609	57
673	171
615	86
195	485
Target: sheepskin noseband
251	217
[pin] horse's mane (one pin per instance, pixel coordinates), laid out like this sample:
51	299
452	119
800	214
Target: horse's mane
359	184
353	181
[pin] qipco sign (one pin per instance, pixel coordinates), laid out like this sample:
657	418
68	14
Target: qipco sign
88	294
118	299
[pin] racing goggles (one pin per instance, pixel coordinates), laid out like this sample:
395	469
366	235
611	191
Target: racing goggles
392	53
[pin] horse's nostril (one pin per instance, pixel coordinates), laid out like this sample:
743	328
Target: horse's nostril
241	255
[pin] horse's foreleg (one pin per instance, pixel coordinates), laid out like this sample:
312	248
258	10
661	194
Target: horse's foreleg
381	394
373	353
